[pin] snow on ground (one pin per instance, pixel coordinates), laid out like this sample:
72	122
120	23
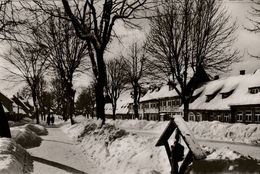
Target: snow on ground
36	128
13	158
24	121
25	137
59	154
214	130
116	151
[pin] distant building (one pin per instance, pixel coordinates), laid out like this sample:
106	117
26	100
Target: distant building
234	99
122	110
231	99
13	111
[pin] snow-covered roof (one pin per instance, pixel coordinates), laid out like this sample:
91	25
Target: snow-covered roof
122	104
163	92
15	109
5	109
237	86
240	96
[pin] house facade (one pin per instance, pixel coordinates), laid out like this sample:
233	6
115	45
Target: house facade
234	99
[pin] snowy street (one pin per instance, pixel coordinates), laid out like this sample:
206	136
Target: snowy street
59	154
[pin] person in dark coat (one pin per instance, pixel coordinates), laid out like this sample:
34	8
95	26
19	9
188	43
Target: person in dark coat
52	119
48	119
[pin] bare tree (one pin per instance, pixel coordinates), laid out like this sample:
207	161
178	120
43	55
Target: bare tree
94	23
86	101
29	62
67	53
188	37
8	21
136	71
254	19
116	81
58	92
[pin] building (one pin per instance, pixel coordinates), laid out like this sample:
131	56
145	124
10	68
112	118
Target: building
13	111
159	103
231	99
122	109
234	99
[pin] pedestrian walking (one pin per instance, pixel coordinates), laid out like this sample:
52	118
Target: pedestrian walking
52	119
48	119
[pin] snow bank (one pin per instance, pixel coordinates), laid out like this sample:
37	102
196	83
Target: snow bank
238	132
116	151
25	137
214	130
224	160
24	121
36	128
13	158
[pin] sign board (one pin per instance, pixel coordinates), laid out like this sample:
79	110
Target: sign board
178	123
189	139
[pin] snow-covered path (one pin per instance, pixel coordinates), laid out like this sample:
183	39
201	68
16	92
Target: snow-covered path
59	154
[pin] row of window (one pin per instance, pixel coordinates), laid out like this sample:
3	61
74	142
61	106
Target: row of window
248	116
169	103
174	102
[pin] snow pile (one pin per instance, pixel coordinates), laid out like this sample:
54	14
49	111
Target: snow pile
116	151
36	128
211	130
24	121
223	153
224	160
25	137
237	132
13	158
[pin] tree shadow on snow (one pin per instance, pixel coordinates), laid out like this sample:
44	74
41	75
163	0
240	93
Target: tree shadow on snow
58	141
57	165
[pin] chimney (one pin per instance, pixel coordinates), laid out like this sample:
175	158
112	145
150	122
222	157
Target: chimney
242	72
216	77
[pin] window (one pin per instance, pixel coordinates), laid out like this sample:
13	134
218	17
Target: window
226	117
198	117
239	116
164	103
146	105
170	103
219	117
177	102
248	116
171	87
257	115
191	116
153	105
254	90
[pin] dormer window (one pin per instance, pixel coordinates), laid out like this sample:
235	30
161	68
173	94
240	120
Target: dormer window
254	90
226	94
211	96
171	87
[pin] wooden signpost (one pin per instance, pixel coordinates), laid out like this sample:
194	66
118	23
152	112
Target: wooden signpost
176	152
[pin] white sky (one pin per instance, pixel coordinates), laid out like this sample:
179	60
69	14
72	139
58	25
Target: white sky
246	42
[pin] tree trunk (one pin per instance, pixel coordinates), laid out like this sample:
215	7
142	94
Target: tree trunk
4	126
101	83
36	107
70	105
185	109
114	111
135	104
